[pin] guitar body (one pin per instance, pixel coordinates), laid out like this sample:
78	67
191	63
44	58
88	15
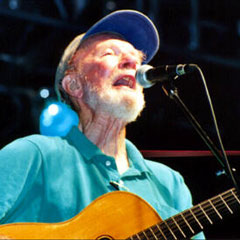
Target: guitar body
115	215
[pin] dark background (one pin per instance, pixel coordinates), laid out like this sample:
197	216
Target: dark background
34	33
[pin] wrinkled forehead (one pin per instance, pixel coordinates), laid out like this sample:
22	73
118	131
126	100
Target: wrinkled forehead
99	40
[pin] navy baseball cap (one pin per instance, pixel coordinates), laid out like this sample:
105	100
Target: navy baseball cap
133	26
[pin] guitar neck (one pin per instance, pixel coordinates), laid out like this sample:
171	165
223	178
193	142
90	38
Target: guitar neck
195	219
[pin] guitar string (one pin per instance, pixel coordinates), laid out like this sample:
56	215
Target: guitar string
228	200
208	210
167	233
198	212
218	203
156	232
228	197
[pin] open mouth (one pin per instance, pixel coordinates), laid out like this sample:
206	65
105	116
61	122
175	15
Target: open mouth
128	81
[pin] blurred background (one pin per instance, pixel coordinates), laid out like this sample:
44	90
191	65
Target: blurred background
34	33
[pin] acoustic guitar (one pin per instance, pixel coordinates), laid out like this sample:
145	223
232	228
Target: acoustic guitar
123	215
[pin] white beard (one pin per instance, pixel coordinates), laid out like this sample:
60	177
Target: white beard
126	106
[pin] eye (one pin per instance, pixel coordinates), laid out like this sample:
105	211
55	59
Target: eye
108	52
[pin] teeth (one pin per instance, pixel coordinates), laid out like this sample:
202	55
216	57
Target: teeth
126	81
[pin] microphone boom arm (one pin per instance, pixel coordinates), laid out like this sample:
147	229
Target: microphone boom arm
172	93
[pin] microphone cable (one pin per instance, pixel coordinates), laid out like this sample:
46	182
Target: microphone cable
223	151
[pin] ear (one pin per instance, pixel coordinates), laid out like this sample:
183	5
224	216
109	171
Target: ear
72	86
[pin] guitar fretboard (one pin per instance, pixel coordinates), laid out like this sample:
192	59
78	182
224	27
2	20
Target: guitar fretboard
193	220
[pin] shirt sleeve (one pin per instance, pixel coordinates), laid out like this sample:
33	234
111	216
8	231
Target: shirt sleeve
20	163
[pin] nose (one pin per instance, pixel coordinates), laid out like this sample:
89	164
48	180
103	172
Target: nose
128	61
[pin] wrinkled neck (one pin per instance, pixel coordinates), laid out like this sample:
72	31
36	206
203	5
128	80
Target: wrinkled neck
108	134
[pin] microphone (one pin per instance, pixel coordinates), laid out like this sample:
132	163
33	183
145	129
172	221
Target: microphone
147	75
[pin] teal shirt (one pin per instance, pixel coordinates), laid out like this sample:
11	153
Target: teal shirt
51	179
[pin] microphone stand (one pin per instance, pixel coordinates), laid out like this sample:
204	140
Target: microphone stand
172	92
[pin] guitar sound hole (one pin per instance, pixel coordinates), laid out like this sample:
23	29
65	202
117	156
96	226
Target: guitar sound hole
105	238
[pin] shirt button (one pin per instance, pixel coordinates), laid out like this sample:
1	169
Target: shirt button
121	182
108	163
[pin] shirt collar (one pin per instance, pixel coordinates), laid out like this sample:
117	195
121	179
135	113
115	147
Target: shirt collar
88	149
76	138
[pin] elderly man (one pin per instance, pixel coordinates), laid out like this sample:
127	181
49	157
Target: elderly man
51	179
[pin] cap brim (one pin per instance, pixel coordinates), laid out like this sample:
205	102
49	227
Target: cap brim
134	26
